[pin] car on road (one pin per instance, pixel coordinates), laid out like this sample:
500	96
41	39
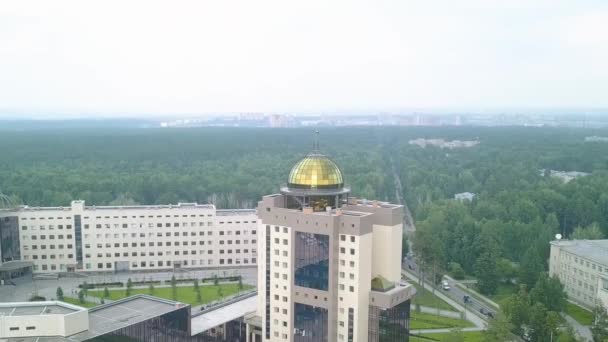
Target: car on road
487	313
445	285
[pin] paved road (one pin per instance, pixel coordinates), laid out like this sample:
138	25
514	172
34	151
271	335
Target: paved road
455	293
471	316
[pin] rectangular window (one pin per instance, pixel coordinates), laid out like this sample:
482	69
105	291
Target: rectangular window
312	262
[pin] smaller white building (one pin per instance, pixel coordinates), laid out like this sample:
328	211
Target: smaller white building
464	196
31	319
582	266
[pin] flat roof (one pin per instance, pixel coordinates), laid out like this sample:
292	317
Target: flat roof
38	308
110	317
231	212
15	265
221	315
26	208
106	318
593	250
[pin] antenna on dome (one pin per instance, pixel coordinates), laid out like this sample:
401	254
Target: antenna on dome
315	141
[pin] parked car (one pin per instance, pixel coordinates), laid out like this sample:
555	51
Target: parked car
445	285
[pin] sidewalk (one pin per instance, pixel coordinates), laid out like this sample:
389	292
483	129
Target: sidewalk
440	312
470	315
583	331
444	330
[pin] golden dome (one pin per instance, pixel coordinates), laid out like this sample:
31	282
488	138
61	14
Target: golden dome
315	171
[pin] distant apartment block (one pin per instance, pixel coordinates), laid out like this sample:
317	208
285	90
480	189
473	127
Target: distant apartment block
564	176
443	143
582	266
596	139
464	196
127	238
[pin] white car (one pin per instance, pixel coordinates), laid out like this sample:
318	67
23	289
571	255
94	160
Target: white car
445	285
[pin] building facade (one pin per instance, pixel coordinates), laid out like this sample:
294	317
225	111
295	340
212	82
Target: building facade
582	266
128	238
329	264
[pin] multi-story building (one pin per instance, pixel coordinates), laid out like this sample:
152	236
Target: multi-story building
117	238
329	264
582	266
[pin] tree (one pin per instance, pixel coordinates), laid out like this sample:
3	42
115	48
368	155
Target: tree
173	288
456	270
81	296
487	275
599	328
516	310
216	280
505	270
220	292
196	287
59	293
85	288
405	247
102	301
549	291
530	267
199	298
240	283
591	232
151	289
542	323
499	329
129	287
106	292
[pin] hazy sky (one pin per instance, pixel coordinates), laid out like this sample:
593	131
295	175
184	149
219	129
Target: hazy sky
231	56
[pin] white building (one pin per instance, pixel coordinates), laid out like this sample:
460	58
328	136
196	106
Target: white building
582	266
464	196
116	238
32	319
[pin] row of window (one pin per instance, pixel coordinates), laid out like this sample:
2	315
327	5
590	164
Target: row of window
160	253
51	237
50	256
168	243
35	247
44	227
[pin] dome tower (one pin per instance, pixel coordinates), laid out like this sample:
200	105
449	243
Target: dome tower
315	181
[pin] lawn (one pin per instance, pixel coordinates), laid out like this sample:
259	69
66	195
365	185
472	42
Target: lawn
470	336
185	294
420	320
75	301
581	315
425	297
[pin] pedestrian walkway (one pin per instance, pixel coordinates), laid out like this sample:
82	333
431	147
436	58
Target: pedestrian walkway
443	330
440	312
583	331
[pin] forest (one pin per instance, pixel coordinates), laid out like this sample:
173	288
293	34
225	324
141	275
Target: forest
517	210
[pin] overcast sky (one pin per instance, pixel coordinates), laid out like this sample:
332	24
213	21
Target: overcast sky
134	57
